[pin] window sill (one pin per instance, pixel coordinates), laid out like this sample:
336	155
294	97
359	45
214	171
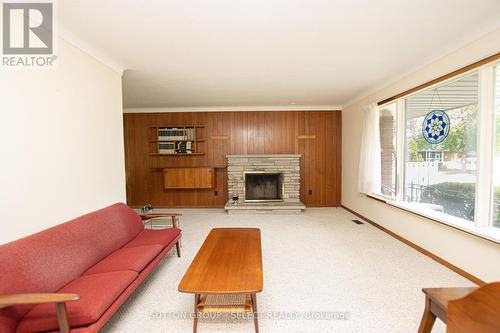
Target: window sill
489	233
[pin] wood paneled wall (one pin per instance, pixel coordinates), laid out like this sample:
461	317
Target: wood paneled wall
316	135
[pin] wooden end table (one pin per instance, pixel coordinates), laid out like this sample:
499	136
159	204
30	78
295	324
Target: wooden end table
436	305
148	218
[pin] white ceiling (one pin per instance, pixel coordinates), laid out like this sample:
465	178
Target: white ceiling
209	53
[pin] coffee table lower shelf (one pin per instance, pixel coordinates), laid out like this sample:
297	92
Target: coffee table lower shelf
225	303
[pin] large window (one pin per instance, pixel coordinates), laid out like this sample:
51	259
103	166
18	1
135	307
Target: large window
441	137
440	151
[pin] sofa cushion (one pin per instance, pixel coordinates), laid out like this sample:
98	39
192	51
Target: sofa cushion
161	237
97	292
131	258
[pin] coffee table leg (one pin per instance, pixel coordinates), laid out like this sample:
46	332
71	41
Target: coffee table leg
195	322
254	308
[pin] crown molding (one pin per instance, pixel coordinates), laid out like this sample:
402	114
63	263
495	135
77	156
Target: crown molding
84	46
235	108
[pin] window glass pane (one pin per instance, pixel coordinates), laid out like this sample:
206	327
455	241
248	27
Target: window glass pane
387	121
496	160
440	161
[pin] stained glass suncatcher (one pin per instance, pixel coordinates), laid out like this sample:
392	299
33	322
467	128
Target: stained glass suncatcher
436	126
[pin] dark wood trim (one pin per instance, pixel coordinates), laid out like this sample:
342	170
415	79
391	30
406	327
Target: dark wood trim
431	255
433	220
443	78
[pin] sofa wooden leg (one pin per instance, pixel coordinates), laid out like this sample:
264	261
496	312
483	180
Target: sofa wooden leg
62	317
178	248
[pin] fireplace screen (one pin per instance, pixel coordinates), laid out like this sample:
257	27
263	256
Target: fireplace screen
263	187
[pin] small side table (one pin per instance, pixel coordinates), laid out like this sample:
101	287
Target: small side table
436	304
150	217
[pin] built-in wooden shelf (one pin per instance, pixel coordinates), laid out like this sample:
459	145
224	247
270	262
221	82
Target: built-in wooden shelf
185	140
191	154
155	141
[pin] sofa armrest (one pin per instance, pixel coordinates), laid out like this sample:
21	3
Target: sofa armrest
17	299
173	216
59	300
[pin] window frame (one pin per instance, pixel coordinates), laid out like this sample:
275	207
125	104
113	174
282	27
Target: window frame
396	157
482	225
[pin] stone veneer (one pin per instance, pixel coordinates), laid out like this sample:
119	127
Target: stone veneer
289	165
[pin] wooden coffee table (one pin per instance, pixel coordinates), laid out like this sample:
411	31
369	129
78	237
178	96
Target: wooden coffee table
226	273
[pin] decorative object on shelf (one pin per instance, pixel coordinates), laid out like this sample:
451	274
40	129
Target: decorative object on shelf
436	126
146	208
235	199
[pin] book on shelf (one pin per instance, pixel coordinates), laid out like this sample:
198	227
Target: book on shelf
171	134
176	134
190	134
166	147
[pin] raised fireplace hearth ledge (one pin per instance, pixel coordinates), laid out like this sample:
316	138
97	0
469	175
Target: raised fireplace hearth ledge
265	208
287	165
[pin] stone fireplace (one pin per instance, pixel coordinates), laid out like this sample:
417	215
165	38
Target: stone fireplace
264	183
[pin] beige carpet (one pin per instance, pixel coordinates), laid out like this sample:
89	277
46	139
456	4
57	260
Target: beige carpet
348	277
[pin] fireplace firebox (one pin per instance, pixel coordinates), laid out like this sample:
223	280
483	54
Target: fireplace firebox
263	187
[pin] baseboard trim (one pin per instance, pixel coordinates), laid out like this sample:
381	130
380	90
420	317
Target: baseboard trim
217	206
431	255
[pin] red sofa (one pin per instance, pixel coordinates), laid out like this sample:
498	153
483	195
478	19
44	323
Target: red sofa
102	257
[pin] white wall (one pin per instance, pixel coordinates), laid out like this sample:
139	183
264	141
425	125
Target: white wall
61	142
476	256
